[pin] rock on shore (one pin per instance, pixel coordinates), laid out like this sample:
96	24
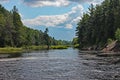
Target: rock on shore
114	47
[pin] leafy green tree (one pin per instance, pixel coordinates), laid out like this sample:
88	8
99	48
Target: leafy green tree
13	33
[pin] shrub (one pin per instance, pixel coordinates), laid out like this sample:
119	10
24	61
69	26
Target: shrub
109	41
117	34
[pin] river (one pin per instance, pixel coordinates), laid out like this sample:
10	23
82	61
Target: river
66	64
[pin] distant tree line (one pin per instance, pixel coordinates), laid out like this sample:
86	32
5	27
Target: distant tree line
99	24
14	33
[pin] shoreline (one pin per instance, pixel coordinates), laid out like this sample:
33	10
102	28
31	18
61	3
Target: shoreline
14	50
102	53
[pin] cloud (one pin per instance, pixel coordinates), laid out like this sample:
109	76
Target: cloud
41	3
87	1
58	3
69	26
76	20
66	20
94	2
46	20
4	1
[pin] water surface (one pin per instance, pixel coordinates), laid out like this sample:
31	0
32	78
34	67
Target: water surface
67	64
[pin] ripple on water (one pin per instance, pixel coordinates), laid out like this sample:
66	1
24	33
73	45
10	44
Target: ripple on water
66	64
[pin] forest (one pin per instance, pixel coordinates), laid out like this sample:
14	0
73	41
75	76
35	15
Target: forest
99	25
13	33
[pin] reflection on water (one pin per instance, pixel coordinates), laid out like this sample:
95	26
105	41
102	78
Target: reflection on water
11	55
14	55
67	64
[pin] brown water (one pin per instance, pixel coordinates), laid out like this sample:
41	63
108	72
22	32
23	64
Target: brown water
67	64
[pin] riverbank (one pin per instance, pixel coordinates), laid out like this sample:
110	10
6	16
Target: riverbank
59	47
12	50
8	50
29	48
108	50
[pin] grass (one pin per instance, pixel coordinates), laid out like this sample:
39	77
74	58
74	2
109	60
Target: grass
45	47
29	48
10	50
76	46
59	47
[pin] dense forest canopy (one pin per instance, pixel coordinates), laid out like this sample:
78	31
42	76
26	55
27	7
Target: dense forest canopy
14	33
99	24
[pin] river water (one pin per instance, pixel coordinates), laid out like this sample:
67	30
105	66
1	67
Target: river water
66	64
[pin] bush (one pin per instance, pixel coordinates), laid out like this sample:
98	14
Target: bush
59	47
117	34
76	46
11	50
109	41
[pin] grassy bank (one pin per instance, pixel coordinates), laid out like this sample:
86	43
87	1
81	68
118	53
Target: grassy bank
76	46
29	48
59	47
10	50
45	47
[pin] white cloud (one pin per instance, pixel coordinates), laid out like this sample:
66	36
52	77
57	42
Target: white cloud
76	20
58	3
87	1
46	20
69	26
65	20
94	2
41	3
76	8
4	1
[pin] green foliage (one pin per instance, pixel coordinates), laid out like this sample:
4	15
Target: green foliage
117	34
75	43
11	50
46	38
29	48
109	41
59	47
63	42
76	46
14	34
99	24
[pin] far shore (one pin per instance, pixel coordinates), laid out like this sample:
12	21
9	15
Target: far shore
12	50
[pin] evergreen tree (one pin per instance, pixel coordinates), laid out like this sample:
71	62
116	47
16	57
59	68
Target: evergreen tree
46	38
99	24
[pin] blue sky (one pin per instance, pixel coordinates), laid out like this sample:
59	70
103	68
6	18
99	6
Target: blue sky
60	16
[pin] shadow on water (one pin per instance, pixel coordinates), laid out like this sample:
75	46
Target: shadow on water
25	54
10	55
14	55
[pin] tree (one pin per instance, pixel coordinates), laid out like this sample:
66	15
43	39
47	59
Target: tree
46	38
18	29
14	34
117	34
99	24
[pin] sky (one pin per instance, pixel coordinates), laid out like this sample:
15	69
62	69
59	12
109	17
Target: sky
59	16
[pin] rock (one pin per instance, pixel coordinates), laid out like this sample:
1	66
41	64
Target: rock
114	47
108	54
